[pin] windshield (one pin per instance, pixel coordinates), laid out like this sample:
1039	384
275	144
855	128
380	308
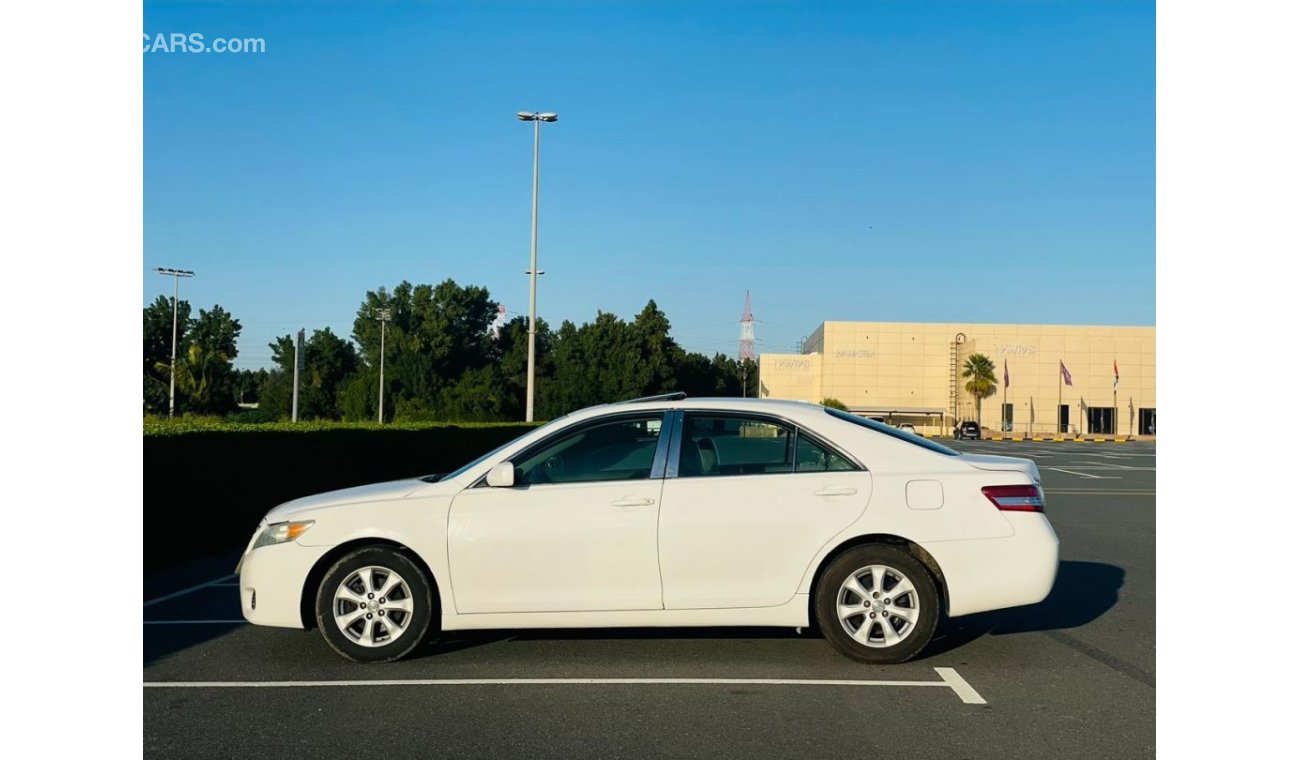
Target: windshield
881	427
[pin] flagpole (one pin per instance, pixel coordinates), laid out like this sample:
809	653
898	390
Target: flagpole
1059	375
1114	398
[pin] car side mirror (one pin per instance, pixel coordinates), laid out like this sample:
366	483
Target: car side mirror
502	476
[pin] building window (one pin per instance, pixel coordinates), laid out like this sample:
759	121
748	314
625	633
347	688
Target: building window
1063	419
1101	420
1146	422
1008	411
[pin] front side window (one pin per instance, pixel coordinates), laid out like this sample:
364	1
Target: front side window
622	449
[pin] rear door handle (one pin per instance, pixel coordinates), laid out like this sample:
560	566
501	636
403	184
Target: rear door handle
632	501
835	492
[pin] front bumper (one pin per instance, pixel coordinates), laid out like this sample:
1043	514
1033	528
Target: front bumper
271	580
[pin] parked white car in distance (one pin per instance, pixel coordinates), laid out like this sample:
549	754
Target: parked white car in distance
666	512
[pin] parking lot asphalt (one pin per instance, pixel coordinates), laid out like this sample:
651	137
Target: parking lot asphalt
1071	677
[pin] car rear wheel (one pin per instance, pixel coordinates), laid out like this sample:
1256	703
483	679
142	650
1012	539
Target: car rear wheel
878	604
374	605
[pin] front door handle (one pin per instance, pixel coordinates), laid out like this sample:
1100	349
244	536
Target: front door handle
835	492
633	501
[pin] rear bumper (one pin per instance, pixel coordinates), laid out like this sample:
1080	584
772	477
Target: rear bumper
271	582
996	573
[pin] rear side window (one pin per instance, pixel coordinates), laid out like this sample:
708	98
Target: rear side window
881	427
739	445
734	446
810	457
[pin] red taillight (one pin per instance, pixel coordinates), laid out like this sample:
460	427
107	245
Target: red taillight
1015	498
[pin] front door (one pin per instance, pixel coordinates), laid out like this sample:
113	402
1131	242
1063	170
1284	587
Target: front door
577	532
752	501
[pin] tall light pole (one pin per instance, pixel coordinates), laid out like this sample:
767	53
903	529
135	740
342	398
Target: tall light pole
176	275
384	316
536	119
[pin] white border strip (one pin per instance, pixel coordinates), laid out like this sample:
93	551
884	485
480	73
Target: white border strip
950	680
185	591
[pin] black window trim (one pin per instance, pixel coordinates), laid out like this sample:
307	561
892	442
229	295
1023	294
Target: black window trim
656	468
679	426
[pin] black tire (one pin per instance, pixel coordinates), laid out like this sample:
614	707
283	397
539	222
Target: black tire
924	597
412	626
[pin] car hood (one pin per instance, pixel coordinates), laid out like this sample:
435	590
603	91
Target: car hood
395	489
1003	464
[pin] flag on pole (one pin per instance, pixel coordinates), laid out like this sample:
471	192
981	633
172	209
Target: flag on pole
1116	373
1006	375
1065	373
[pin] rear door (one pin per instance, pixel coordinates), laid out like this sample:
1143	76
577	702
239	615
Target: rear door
748	502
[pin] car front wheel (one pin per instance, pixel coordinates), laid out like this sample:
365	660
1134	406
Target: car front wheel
374	605
877	604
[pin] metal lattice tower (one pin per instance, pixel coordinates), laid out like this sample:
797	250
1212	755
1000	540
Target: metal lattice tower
747	332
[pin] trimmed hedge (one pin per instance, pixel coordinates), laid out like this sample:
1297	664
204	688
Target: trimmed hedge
206	485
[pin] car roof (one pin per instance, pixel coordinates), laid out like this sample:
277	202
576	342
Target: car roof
714	403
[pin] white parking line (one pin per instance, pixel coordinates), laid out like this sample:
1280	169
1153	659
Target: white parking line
1083	474
184	591
950	680
964	690
194	622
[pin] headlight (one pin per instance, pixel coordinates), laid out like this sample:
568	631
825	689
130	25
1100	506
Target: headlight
278	533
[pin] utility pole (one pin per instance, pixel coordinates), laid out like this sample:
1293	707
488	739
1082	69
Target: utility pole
297	361
384	315
176	275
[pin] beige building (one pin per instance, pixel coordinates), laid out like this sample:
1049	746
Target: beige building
911	372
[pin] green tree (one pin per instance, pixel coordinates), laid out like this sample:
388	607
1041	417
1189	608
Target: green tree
659	354
328	365
982	381
510	352
195	373
437	333
158	349
216	333
248	385
834	403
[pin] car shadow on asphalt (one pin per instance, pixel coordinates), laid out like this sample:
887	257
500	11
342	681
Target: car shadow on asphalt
1083	592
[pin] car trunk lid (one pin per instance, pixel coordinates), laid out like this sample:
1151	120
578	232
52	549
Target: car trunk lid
997	463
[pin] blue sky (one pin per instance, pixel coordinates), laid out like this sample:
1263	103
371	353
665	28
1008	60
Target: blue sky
867	160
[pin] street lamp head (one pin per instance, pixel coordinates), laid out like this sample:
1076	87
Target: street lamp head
173	272
548	116
526	116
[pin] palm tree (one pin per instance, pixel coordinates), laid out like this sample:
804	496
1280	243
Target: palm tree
983	380
194	371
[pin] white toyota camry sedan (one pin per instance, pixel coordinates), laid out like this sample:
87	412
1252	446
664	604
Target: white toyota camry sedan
666	511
